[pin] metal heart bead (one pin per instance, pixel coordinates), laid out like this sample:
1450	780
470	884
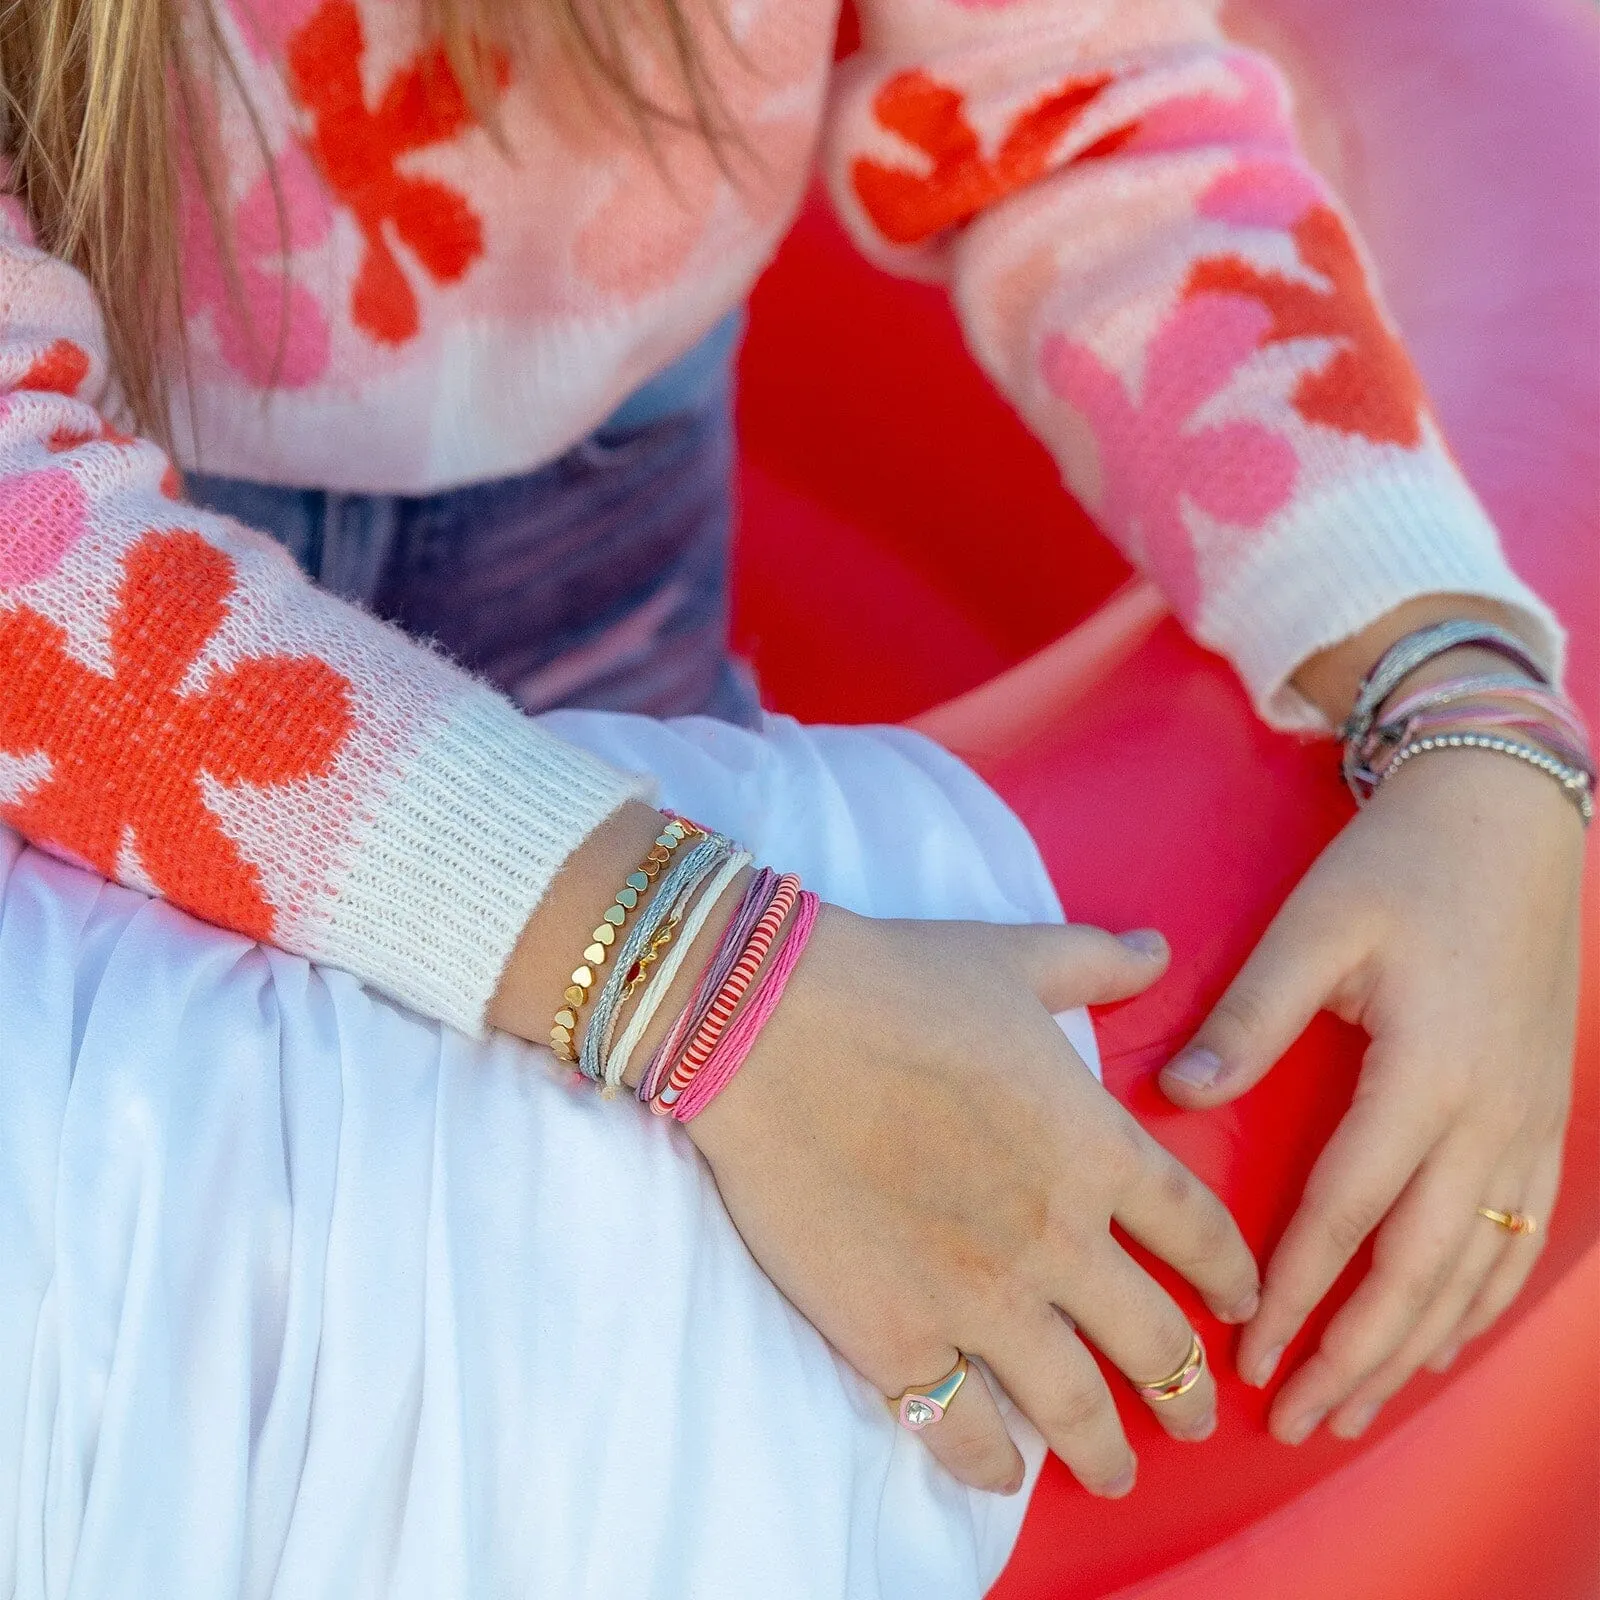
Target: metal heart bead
669	841
637	880
583	977
567	1018
628	898
615	915
595	955
573	995
605	934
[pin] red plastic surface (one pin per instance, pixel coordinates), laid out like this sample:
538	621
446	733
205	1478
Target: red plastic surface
905	541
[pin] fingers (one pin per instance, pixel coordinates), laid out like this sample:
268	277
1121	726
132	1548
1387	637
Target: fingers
1136	1323
1484	1247
1289	977
1357	1178
1174	1215
1414	1258
1054	1379
1077	965
1510	1273
970	1439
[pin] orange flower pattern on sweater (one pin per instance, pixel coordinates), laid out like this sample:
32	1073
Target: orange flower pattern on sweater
1369	386
357	151
128	768
910	207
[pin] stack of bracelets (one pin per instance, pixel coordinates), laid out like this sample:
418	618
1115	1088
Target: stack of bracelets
642	939
1465	714
737	992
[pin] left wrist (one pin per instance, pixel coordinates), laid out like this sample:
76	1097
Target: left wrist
1332	678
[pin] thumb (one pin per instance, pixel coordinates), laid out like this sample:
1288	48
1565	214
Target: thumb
1290	976
1077	965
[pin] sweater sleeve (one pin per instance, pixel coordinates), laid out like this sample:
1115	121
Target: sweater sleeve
1152	273
183	712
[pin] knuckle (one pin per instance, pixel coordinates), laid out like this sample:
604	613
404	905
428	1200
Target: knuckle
1241	1013
1077	1410
1218	1240
1348	1225
1124	1158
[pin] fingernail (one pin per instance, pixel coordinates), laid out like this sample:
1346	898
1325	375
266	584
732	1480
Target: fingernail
1445	1359
1197	1068
1260	1375
1119	1485
1147	941
1355	1423
1202	1430
1303	1427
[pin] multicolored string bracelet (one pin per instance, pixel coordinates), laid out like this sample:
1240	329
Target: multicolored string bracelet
1465	713
757	896
737	1042
621	1054
564	1029
722	1007
677	885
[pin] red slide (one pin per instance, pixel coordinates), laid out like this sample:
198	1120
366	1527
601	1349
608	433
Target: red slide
908	553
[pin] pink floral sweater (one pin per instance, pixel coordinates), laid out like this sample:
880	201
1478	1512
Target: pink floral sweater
1140	257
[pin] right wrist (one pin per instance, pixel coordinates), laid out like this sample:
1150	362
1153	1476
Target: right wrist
552	942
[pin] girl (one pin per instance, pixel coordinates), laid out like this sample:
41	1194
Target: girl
443	297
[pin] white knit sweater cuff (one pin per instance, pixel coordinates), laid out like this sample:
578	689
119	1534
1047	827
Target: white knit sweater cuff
1340	559
460	853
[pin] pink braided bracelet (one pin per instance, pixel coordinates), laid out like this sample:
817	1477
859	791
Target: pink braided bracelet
729	996
731	1050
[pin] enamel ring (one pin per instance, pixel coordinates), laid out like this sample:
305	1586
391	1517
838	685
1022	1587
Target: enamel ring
1511	1221
1181	1381
917	1409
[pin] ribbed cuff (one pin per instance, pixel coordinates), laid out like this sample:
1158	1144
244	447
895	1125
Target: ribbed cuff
461	852
1344	557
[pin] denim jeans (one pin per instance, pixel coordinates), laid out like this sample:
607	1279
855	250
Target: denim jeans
600	580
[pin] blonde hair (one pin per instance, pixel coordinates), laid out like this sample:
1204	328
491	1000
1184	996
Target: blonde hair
98	97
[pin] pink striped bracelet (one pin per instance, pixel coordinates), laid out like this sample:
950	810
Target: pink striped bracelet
757	897
728	997
737	1042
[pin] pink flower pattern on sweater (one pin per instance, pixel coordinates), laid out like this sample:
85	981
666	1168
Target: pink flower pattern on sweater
1157	462
1109	189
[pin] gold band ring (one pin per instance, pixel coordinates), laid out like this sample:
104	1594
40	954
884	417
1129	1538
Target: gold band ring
917	1409
1181	1381
1511	1221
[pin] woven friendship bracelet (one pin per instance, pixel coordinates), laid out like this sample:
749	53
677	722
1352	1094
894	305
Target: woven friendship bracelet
677	885
736	1044
564	1029
616	1063
1462	704
731	992
757	896
1404	657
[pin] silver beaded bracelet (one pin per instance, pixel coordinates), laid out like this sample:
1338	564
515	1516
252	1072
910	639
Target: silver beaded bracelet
1576	784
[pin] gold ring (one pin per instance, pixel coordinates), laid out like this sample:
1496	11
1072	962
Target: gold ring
1181	1381
917	1409
1511	1221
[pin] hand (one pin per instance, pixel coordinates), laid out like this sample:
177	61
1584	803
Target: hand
1444	920
920	1161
